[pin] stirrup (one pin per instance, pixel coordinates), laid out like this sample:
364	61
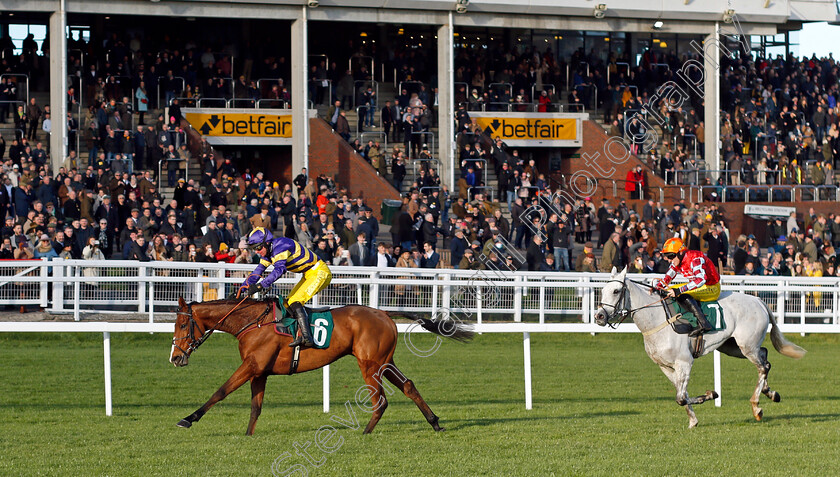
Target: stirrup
700	330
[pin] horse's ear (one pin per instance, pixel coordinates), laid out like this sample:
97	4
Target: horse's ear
613	272
623	274
181	303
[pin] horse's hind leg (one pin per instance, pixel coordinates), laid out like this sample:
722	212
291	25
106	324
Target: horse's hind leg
257	393
773	395
759	359
378	402
407	386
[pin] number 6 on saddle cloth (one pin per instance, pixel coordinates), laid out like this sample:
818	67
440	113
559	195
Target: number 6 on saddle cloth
320	321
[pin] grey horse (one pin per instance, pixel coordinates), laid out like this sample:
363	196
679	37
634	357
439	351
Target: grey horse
746	317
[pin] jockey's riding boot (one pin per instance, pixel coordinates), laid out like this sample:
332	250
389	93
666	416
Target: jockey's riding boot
703	324
305	338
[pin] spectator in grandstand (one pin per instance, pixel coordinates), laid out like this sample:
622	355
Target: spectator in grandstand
534	254
430	258
342	127
359	252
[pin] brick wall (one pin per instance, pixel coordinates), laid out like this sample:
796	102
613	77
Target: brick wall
331	155
594	139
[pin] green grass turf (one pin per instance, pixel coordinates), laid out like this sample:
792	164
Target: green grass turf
601	407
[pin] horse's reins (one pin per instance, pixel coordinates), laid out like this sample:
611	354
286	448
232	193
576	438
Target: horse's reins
195	343
627	311
257	322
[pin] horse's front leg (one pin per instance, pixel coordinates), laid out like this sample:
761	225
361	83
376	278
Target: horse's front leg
239	377
679	374
257	393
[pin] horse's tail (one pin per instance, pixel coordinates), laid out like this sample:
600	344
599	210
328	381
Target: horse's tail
443	326
781	343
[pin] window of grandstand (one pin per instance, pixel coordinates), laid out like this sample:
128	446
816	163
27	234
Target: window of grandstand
77	33
26	37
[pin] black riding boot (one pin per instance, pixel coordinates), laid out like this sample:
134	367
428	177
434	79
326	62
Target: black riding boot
305	338
703	324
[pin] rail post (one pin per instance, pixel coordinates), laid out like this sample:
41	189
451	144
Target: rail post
586	289
780	302
435	306
77	295
718	400
45	285
446	296
199	288
221	284
326	388
141	290
517	299
478	304
526	341
58	287
106	345
542	302
373	297
152	301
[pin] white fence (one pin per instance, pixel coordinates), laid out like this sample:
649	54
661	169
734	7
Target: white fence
153	288
534	302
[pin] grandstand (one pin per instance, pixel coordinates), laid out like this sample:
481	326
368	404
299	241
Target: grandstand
593	105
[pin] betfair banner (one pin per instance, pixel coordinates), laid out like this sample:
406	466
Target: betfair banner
532	129
238	126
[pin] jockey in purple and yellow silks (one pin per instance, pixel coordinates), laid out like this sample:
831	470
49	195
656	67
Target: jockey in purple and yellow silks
287	254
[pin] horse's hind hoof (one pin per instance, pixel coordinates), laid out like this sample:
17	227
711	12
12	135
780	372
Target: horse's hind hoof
440	429
184	423
759	414
776	397
714	395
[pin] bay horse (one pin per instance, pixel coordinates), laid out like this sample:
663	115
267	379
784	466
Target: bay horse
366	333
746	318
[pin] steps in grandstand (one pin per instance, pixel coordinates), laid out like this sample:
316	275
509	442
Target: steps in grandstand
7	129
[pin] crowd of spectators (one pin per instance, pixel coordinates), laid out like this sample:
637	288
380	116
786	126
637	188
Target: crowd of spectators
779	124
107	206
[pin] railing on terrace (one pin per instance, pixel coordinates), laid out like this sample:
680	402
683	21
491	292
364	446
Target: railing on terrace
153	288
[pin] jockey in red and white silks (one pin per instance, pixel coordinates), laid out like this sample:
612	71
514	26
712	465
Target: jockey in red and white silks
702	275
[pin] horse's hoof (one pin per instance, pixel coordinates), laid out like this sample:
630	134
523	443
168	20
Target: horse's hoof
759	414
440	429
714	394
692	425
776	397
184	423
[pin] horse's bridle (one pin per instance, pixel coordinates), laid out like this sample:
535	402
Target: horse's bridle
193	326
623	312
624	298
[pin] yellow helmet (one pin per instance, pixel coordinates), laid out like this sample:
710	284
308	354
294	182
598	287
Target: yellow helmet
673	245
